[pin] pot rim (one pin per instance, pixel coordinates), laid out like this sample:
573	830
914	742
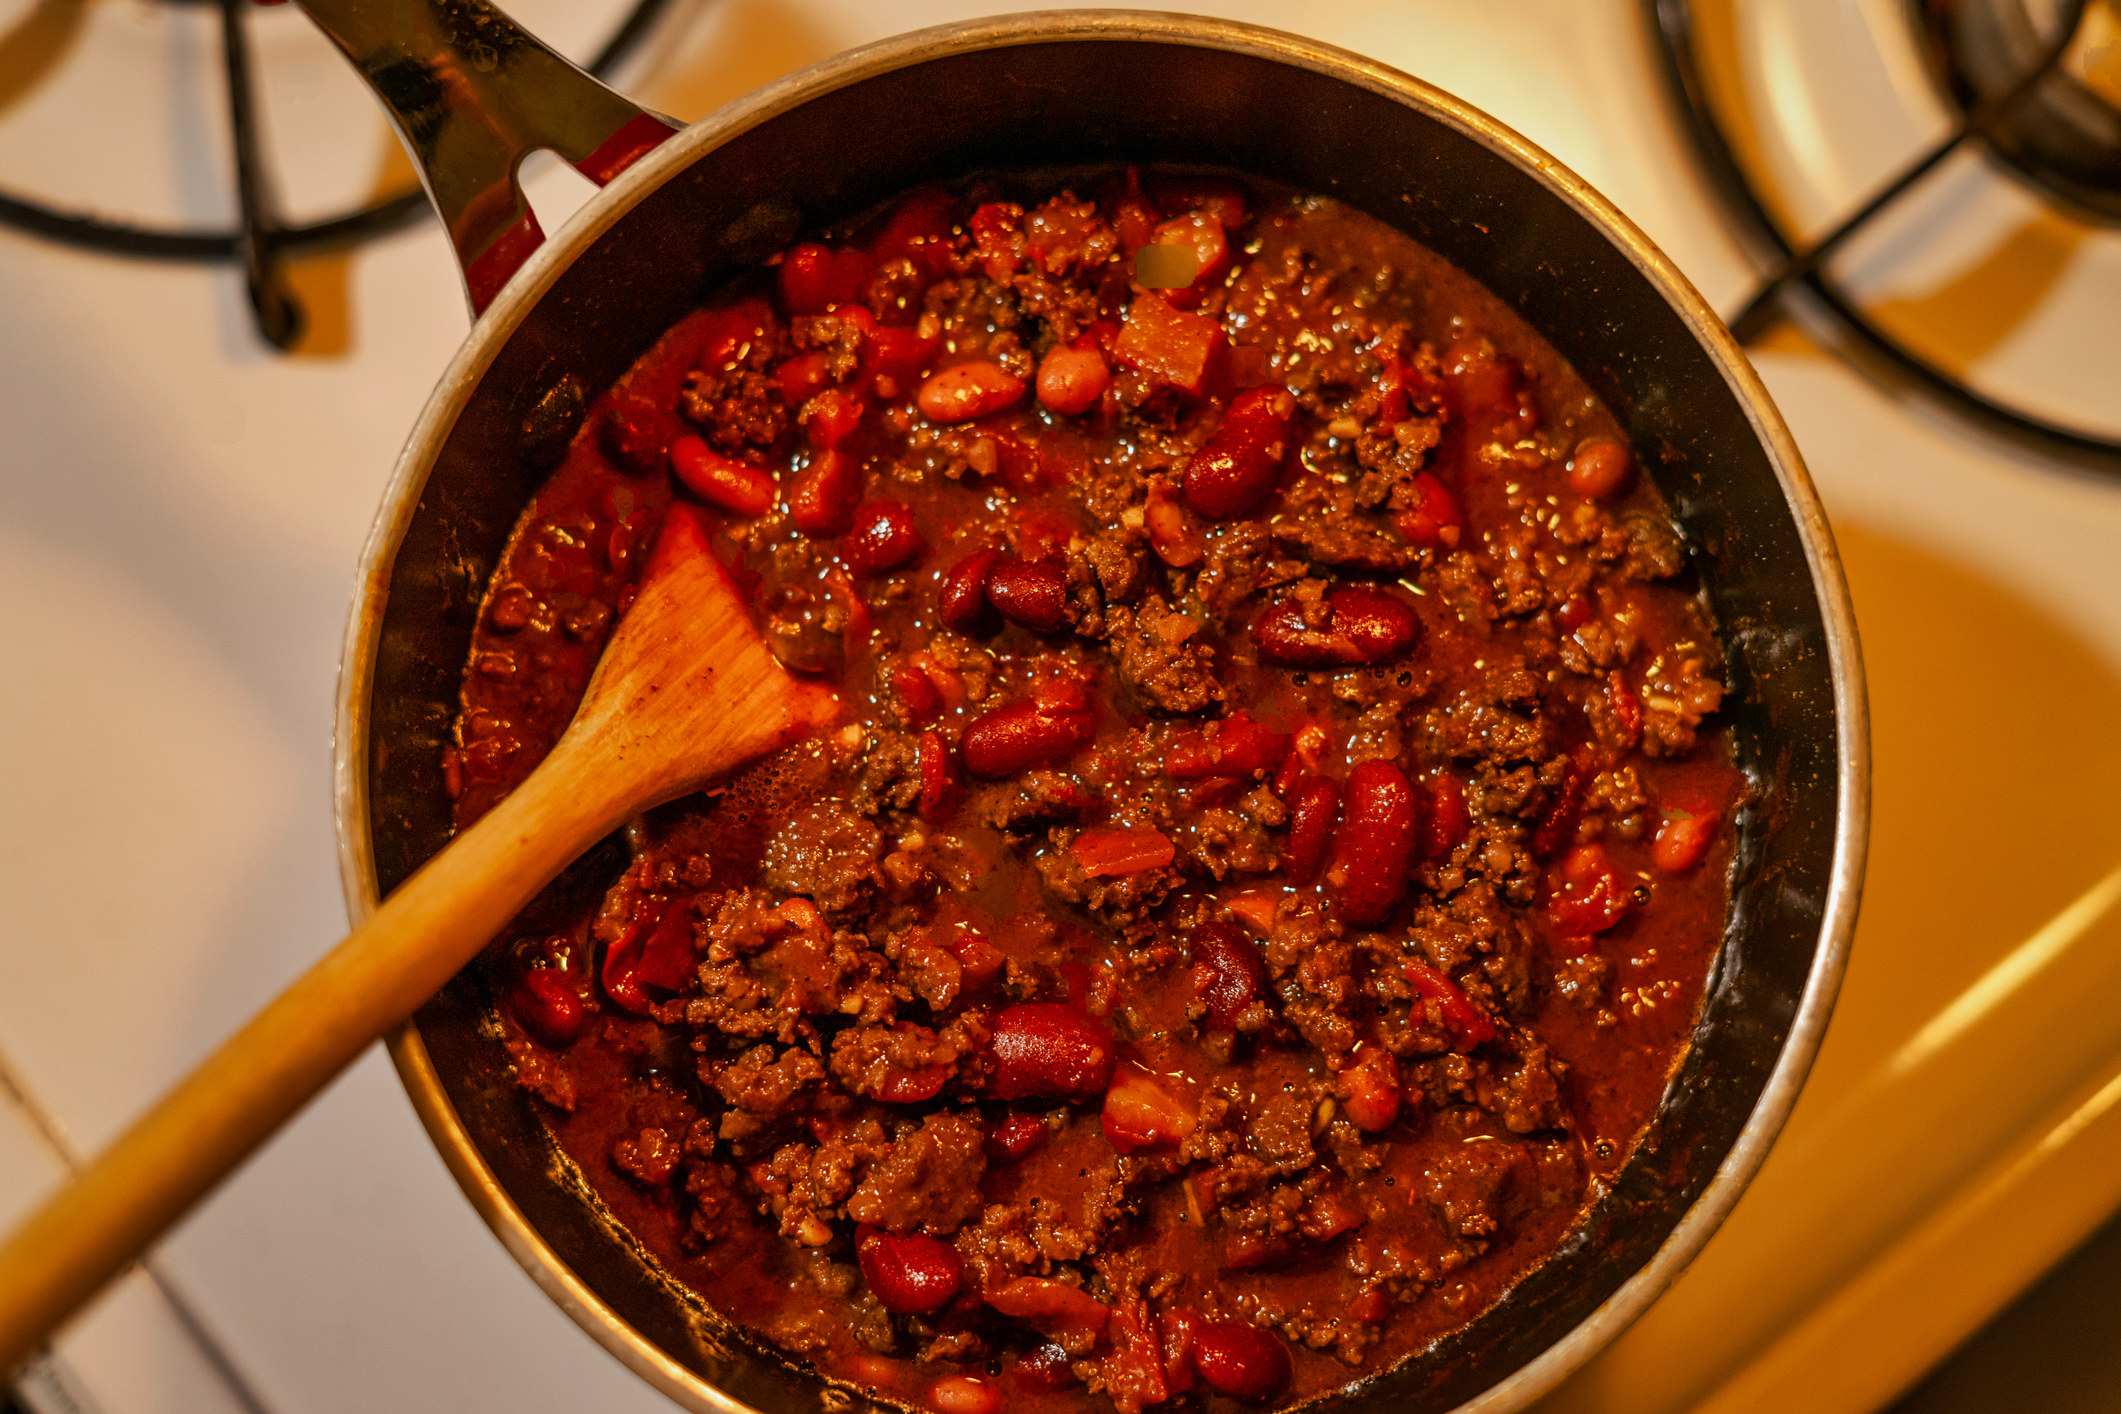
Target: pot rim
492	331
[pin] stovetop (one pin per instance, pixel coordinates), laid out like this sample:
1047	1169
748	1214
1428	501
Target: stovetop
181	510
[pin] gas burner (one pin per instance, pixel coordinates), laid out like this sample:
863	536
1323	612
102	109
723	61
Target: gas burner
261	241
1817	128
2063	134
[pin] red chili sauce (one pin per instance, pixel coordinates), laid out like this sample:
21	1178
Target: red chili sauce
1265	872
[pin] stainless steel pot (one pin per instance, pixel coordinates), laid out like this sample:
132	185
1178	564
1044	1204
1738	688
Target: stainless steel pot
1083	87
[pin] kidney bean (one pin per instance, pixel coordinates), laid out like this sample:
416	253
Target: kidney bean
963	1394
1436	519
1033	593
1172	533
939	792
550	1007
964	391
962	601
1175	1329
1237	745
736	488
1682	840
1446	822
1575	612
815	278
1600	469
635	434
1072	380
1313	811
1172	346
911	1274
1046	1050
1469	1025
1104	853
1557	827
1015	1137
1019	736
1369	1088
832	417
1362	625
1238	468
822	501
1052	1306
1142	1111
881	538
1374	846
1241	1361
1134	1370
1228	972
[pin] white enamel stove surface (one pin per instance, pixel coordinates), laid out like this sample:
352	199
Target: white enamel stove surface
180	513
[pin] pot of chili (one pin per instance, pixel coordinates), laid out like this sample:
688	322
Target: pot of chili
685	214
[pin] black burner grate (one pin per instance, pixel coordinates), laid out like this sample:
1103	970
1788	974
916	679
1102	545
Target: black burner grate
260	243
1792	267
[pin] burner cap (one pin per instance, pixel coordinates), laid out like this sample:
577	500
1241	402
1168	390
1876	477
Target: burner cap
2063	136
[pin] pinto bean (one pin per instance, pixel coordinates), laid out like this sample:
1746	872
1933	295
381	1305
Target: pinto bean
964	391
1046	1050
1021	735
1362	625
911	1274
1312	812
1033	593
1239	467
882	538
1375	843
1241	1361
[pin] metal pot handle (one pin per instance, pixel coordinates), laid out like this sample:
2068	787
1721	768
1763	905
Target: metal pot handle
472	93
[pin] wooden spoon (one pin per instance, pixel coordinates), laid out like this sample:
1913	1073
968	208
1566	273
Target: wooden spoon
685	692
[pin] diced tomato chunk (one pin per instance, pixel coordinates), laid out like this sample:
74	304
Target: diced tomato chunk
1114	852
1172	346
1469	1024
1144	1111
1588	896
1682	840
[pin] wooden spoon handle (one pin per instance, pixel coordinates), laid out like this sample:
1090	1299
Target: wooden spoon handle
267	1071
